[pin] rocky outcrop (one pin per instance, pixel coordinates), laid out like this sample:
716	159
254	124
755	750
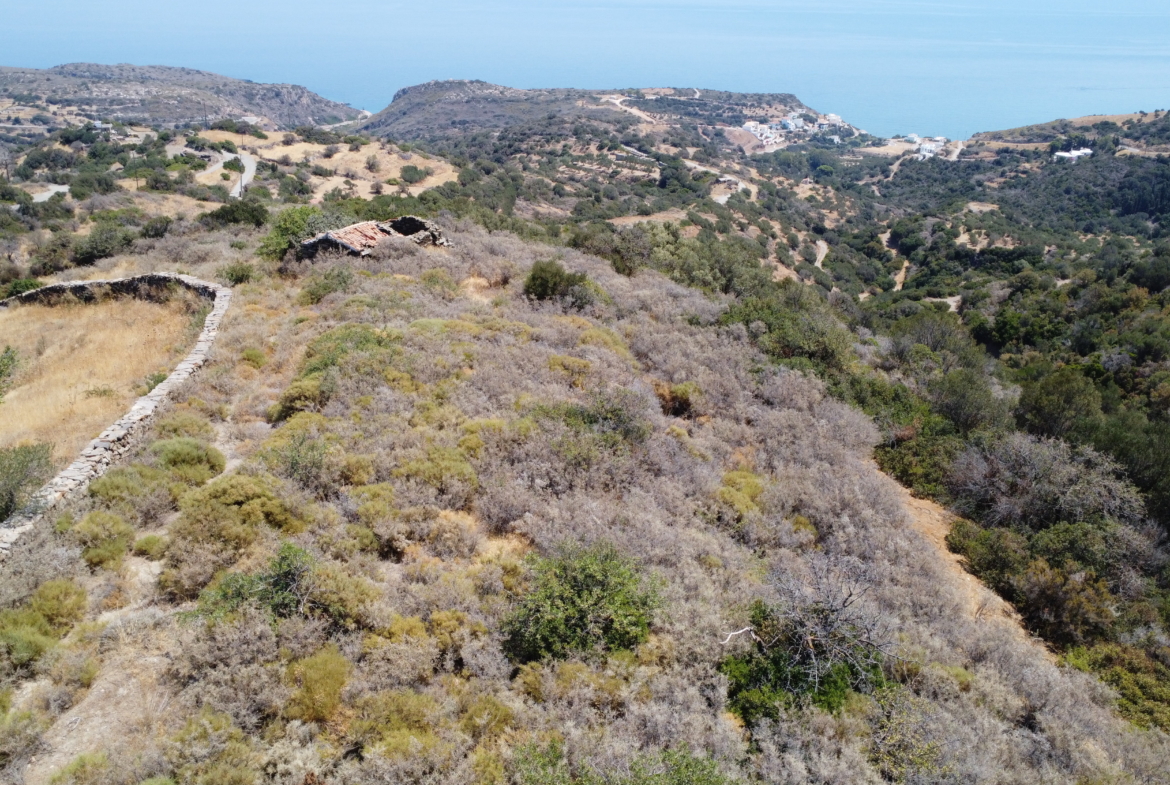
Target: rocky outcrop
115	441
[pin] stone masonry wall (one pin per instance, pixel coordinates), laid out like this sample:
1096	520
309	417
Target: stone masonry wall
116	440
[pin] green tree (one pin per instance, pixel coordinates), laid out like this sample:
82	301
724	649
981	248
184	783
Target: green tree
1061	402
582	600
289	228
548	279
964	397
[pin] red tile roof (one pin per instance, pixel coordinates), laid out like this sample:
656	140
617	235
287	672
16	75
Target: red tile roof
357	237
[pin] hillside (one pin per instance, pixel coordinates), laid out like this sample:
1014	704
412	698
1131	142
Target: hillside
446	109
690	461
162	95
1139	131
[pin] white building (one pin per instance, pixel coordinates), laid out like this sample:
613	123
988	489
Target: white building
1074	155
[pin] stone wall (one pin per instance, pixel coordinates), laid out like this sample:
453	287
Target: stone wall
115	441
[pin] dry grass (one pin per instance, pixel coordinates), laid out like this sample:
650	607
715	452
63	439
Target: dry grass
68	351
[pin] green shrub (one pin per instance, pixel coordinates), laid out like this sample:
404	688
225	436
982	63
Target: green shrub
442	468
282	588
210	750
1141	679
798	325
87	769
237	273
154	380
189	459
318	681
486	717
19	286
815	652
105	537
136	490
583	600
412	174
26	635
299	457
60	601
254	357
22	470
549	279
104	241
546	765
229	510
28	632
396	723
320	286
152	547
157	227
216	523
9	362
289	228
184	423
303	395
237	212
616	417
330	348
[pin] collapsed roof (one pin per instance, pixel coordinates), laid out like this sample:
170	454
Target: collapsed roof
362	238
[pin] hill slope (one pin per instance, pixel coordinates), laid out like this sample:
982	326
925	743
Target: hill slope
169	96
456	107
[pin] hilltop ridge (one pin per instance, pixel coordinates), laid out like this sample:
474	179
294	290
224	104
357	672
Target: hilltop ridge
165	95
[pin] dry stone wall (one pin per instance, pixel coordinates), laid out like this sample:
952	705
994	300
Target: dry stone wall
115	441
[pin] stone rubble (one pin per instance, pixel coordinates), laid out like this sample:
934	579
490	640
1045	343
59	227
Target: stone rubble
115	441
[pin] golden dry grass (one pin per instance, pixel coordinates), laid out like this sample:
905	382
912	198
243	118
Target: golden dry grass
68	350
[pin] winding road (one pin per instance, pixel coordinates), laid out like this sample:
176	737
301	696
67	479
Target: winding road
245	179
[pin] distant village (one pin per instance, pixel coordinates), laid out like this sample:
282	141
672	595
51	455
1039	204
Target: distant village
780	133
796	125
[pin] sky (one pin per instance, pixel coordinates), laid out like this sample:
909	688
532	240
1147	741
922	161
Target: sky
888	66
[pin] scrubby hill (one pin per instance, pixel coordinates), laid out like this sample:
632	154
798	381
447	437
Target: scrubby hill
475	536
445	109
162	95
606	492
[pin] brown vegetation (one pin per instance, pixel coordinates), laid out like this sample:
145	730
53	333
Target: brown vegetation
81	366
356	565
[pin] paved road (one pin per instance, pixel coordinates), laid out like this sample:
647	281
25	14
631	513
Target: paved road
246	177
45	196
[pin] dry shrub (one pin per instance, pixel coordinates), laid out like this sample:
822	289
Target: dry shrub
232	668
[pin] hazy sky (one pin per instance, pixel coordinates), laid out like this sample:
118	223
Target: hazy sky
890	66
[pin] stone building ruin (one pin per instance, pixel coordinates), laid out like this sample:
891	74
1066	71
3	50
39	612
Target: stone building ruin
360	239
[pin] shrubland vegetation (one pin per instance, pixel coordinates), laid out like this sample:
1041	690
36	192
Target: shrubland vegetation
579	502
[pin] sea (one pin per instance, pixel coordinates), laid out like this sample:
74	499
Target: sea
888	66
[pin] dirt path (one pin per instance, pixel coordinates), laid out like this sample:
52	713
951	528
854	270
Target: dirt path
952	302
618	102
934	523
129	699
894	167
900	277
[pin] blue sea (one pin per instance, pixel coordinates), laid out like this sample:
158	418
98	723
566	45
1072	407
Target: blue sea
932	68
